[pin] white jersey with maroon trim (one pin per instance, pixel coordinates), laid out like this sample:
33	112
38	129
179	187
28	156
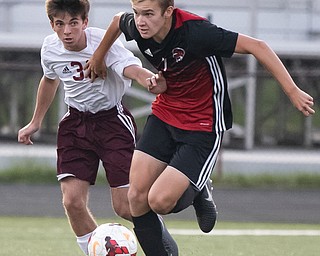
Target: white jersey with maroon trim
68	66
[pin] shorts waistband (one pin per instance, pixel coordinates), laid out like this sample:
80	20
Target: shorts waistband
103	113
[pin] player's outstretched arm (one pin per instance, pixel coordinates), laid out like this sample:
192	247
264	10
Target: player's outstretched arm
154	83
96	65
46	92
268	58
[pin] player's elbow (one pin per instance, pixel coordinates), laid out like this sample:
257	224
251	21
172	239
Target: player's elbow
262	45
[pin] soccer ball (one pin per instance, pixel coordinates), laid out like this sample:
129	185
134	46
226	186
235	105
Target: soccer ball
112	239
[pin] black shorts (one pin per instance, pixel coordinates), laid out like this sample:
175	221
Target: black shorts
194	153
85	138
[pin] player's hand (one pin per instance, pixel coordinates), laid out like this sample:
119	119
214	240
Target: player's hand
302	101
24	134
95	68
157	84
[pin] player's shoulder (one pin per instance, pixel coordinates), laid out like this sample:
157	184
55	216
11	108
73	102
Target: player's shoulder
95	32
183	16
50	46
51	41
94	36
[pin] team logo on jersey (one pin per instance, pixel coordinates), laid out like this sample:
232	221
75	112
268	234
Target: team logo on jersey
178	54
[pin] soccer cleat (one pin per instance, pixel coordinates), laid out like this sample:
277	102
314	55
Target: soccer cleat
169	244
205	208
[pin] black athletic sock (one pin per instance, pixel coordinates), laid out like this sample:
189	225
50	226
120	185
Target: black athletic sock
185	200
149	234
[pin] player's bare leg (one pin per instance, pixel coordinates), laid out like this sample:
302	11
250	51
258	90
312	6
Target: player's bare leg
120	202
75	201
175	183
150	230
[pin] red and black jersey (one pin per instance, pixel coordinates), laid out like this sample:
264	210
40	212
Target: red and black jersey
191	60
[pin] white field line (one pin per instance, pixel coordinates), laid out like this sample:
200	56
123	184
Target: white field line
246	232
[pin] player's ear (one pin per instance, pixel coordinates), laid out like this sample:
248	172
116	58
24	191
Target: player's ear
168	12
85	23
52	24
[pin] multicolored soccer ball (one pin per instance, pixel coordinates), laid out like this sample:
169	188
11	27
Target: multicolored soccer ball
112	239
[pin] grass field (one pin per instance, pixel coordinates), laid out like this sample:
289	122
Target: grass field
30	236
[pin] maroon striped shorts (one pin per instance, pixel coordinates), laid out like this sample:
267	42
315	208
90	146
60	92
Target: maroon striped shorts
85	138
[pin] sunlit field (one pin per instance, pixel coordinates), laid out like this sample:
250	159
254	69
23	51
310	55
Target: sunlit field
31	236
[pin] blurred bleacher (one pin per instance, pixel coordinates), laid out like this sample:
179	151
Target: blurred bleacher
291	27
289	21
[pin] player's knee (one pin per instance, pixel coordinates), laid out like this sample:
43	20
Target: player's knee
161	204
73	204
137	197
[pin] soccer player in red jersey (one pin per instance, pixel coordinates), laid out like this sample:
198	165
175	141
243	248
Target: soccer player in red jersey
179	146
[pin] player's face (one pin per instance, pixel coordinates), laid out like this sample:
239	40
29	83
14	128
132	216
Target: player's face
70	31
150	21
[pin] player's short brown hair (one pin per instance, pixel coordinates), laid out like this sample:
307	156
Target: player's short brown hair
73	7
164	4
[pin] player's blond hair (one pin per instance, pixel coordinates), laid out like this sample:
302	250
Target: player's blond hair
73	7
164	4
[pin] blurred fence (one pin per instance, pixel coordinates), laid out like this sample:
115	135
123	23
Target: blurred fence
263	114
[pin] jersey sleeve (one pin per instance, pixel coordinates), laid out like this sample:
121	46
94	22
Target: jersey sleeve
45	62
128	28
206	39
118	58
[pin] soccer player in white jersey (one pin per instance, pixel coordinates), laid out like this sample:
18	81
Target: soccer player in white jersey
97	126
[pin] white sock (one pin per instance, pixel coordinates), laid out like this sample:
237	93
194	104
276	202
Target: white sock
83	242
